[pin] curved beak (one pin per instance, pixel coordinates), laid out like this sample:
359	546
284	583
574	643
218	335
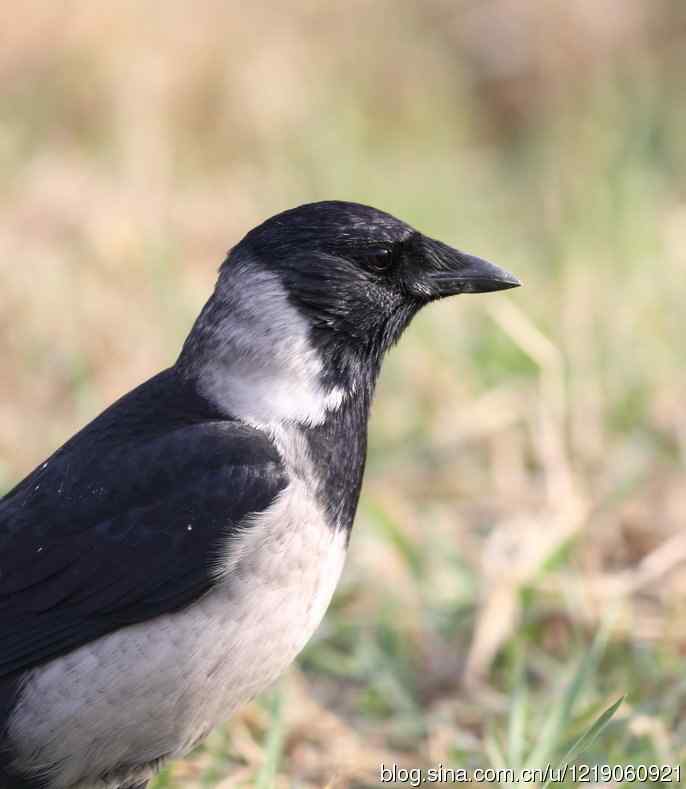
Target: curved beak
456	272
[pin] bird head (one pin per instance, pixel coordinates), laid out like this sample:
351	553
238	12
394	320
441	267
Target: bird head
323	290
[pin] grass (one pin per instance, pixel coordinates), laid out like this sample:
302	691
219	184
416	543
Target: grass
517	565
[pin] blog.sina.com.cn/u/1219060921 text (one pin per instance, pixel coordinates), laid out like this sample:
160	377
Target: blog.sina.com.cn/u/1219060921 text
577	773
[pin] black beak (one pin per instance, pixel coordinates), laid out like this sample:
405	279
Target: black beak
454	272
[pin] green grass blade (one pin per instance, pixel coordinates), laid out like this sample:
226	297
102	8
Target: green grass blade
560	716
396	537
588	738
273	747
516	728
494	751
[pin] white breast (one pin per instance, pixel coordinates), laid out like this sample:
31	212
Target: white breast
154	689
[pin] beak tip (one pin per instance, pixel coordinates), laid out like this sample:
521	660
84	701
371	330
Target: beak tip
513	282
489	277
490	285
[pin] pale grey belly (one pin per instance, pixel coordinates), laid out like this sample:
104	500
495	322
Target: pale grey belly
152	690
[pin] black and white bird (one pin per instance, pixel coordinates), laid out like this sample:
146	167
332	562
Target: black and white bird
173	557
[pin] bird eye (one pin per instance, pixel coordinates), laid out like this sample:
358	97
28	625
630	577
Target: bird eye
380	259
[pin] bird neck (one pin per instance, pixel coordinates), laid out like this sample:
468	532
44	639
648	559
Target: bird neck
250	355
337	449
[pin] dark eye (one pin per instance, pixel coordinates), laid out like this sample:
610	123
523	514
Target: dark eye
379	259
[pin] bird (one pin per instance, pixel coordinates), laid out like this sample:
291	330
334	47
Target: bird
172	558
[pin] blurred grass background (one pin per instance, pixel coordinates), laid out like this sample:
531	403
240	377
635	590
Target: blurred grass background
519	557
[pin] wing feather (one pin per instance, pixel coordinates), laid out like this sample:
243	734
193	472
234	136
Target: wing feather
124	523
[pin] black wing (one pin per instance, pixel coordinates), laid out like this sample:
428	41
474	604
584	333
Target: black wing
126	521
